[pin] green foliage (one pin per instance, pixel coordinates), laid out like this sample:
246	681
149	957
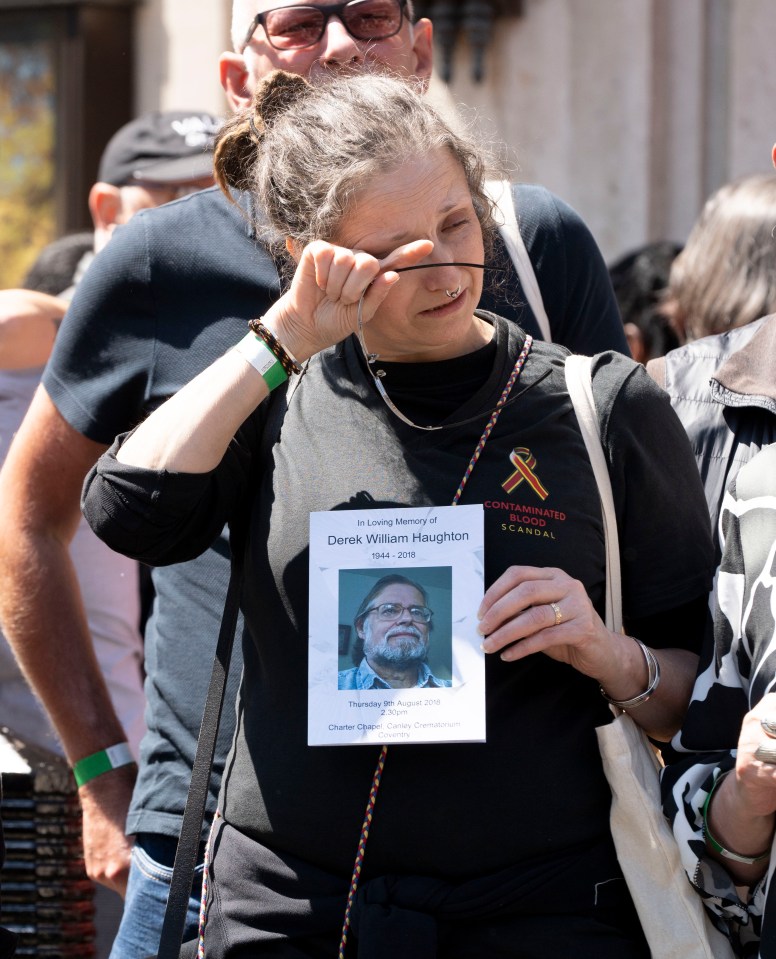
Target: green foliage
27	161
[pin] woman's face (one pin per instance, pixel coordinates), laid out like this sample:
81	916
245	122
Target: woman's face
424	199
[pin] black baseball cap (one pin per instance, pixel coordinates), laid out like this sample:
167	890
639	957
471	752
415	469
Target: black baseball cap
161	148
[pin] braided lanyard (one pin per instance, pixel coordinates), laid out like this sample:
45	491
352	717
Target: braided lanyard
378	773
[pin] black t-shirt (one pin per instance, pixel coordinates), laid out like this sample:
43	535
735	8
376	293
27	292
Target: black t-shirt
443	809
171	292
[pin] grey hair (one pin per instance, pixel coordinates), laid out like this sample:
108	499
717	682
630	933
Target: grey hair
726	275
305	152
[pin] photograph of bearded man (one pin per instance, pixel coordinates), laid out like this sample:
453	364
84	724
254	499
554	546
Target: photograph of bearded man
393	627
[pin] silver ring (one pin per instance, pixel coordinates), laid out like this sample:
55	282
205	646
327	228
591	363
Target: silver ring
766	753
769	725
558	614
455	292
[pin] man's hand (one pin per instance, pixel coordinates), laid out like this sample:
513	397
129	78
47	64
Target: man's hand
105	801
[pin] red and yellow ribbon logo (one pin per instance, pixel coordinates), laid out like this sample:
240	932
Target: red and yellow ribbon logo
524	462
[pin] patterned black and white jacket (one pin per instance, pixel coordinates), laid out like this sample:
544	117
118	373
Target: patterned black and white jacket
736	670
723	390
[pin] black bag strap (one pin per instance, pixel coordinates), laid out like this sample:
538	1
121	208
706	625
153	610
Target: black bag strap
187	852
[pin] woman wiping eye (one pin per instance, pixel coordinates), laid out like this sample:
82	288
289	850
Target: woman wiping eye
465	839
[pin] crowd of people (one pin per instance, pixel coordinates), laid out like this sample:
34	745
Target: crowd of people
342	323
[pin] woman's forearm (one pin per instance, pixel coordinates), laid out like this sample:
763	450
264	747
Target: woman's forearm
662	714
740	813
190	432
738	828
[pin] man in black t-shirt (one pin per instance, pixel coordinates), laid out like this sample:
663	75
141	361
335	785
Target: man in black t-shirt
171	293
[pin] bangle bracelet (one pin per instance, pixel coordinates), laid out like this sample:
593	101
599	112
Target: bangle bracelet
718	847
289	363
102	762
262	359
653	681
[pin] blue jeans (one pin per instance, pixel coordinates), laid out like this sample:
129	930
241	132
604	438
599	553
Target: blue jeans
150	873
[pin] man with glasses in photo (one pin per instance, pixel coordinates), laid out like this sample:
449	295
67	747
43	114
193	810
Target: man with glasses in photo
393	626
174	290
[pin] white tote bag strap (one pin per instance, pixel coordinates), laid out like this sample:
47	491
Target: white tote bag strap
500	192
580	387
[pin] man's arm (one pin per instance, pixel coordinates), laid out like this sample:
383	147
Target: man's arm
28	324
43	618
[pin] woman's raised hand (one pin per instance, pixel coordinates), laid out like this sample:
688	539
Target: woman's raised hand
321	307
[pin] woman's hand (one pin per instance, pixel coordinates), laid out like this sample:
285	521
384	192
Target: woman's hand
321	307
755	775
741	815
517	618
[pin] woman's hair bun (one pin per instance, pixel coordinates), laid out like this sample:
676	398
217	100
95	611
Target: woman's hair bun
239	138
276	94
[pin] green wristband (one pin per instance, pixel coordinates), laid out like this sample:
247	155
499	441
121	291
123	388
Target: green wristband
263	360
102	762
275	376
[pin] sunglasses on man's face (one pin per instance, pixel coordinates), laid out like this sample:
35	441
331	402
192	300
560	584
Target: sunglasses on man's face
292	28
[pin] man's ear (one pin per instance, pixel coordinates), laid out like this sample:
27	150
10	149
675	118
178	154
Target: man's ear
423	48
105	206
233	73
773	154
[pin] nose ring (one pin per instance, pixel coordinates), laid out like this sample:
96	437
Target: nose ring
455	292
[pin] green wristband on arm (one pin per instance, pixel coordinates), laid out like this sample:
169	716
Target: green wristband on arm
263	360
102	762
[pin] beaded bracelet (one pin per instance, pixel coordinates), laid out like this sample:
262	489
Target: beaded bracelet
718	847
287	360
653	680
